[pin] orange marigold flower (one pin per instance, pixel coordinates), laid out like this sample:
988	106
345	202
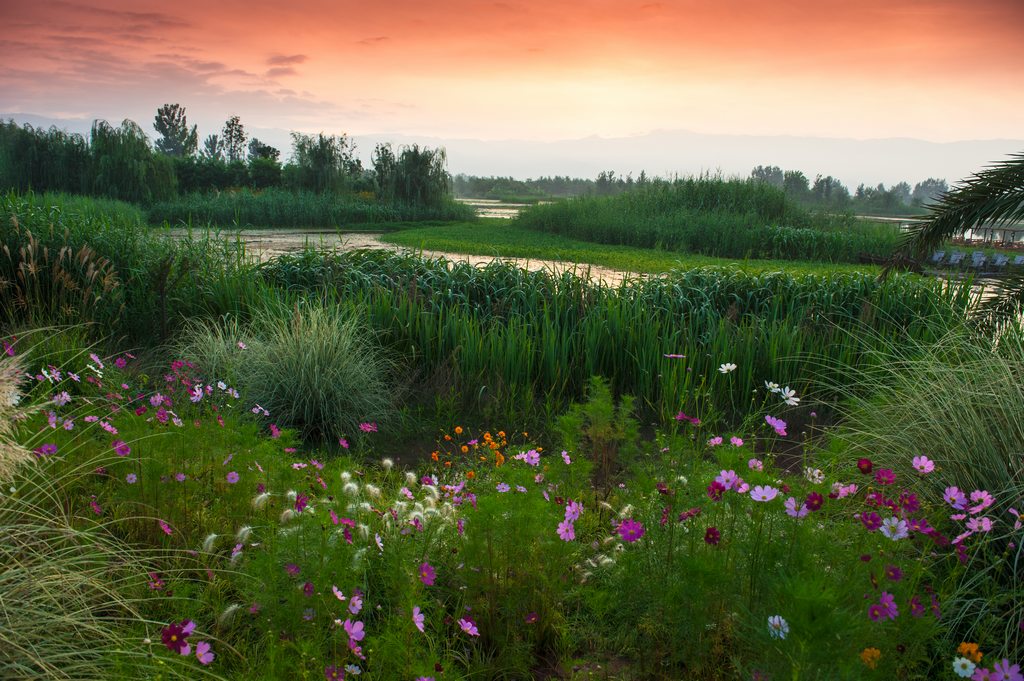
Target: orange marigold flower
870	657
458	430
433	456
498	459
465	449
501	433
448	464
970	651
470	475
447	438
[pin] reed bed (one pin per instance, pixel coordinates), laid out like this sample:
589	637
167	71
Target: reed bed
499	329
713	216
284	208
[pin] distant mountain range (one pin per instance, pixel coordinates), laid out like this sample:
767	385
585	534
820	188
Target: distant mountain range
668	152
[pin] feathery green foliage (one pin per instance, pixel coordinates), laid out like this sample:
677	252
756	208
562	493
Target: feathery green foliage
315	368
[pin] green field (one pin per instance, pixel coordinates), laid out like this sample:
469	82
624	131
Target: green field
507	239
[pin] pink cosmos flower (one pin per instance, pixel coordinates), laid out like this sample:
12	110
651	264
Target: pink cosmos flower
871	521
565	458
232	477
469	626
735	441
502	487
203	653
982	524
165	527
955	498
727	479
354	630
368	427
573	509
715	441
793	511
566	531
755	465
764	493
131	478
355	604
343	442
427	574
982	500
923	464
777	424
417	618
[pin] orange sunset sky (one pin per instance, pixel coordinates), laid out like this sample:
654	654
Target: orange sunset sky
939	70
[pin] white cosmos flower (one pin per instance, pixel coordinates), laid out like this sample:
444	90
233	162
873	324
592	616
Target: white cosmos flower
772	387
789	396
727	367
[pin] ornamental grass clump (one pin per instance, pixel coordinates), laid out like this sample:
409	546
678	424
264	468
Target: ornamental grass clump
311	367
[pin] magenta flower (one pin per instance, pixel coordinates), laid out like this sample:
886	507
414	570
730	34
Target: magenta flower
121	448
469	626
893	573
735	441
872	521
865	466
417	618
885	476
715	490
763	493
630	530
884	609
982	524
334	673
814	501
165	527
46	449
712	536
427	574
368	427
203	653
715	441
174	635
232	477
301	501
755	465
292	569
1002	671
343	442
355	604
566	531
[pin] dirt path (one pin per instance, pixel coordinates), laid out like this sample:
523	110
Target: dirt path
267	244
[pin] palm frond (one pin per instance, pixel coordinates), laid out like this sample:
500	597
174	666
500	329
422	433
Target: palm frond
993	196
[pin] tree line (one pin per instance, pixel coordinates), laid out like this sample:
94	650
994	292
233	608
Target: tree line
825	192
121	162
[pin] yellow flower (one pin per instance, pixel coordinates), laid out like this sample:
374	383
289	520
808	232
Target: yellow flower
870	657
970	651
